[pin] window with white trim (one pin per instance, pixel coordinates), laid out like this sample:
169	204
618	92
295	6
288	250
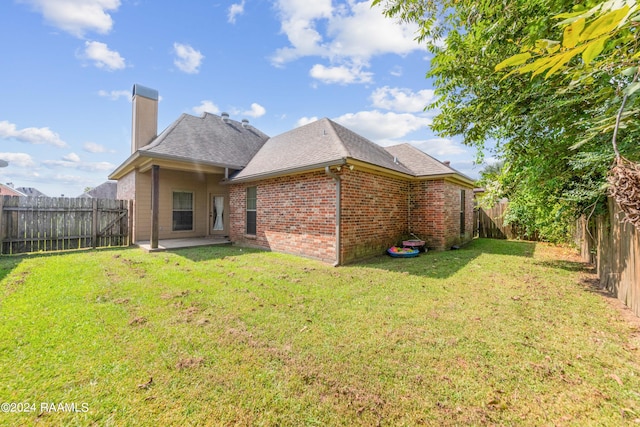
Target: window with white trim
252	203
182	211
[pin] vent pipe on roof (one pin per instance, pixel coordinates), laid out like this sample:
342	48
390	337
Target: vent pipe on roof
446	163
245	123
225	117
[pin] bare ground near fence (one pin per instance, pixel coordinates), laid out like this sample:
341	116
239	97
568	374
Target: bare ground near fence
35	224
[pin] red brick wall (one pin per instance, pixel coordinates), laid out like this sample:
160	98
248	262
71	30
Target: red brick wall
374	213
427	212
435	213
295	215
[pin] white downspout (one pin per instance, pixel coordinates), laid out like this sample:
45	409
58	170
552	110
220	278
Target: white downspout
336	178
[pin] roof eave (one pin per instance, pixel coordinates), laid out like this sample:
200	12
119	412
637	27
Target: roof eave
126	167
284	172
453	177
163	156
130	163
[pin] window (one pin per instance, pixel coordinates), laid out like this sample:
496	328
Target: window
462	210
182	211
252	198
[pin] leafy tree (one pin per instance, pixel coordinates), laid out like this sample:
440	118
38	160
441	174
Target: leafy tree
597	43
555	165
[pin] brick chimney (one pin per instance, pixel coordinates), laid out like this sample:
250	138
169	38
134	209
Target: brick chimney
144	127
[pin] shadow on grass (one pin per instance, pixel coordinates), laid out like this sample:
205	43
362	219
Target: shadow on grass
441	265
566	265
7	264
10	262
207	253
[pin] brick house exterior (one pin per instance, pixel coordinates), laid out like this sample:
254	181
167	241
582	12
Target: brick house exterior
296	215
320	191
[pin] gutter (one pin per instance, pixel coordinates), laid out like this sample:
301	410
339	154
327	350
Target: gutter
289	171
336	178
133	159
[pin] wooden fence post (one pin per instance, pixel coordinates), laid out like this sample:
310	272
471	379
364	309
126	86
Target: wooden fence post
94	223
130	224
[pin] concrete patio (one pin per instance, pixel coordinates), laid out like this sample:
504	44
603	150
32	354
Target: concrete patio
168	244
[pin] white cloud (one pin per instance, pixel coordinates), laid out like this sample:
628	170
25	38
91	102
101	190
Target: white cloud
187	58
440	147
256	110
403	100
38	136
102	57
340	74
114	95
77	16
396	71
235	10
69	179
298	22
72	157
305	121
364	31
379	127
22	160
206	107
83	166
348	36
92	147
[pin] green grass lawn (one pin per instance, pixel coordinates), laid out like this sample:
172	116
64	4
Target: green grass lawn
497	333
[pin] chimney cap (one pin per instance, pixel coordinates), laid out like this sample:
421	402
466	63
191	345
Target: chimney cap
145	91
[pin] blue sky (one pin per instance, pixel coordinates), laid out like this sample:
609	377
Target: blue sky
69	66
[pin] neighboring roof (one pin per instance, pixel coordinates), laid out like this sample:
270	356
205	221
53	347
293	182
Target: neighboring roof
106	190
208	139
6	190
318	144
31	192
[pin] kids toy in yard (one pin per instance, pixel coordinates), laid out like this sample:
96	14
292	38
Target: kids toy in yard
398	252
415	244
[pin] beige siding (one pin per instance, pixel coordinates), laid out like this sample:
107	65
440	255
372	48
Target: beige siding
201	185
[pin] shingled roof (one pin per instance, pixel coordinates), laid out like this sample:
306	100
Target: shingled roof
208	139
420	163
318	144
106	190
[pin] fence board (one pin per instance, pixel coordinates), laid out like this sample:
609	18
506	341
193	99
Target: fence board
491	224
33	224
614	247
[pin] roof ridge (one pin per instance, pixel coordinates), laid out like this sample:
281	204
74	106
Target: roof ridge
343	147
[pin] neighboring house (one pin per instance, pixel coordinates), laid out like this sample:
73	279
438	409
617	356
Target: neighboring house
31	192
320	190
106	190
6	190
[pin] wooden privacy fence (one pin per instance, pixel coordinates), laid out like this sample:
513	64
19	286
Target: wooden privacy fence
34	224
491	224
614	247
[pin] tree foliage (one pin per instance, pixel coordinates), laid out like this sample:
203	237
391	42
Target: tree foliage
606	38
551	124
